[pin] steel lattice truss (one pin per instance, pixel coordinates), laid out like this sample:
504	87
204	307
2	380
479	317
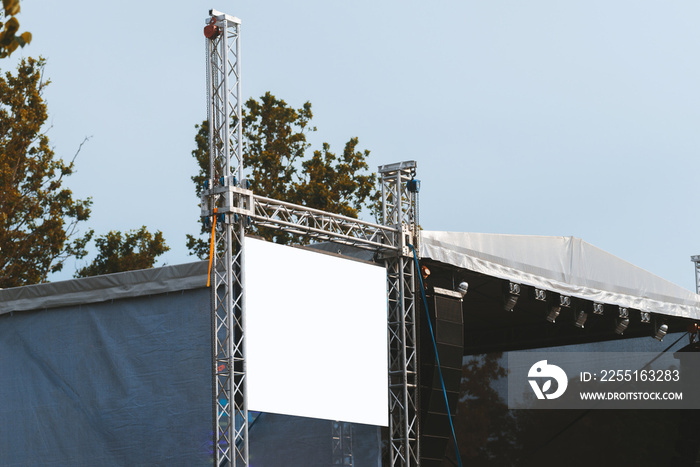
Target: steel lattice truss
399	210
696	260
230	205
322	226
342	444
225	166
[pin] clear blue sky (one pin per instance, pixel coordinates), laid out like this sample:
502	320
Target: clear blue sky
543	117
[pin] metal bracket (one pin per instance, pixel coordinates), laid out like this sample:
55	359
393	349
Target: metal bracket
233	200
221	17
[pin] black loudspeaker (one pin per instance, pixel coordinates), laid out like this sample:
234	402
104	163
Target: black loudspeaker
448	326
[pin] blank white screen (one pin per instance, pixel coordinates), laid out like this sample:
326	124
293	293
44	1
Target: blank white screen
316	335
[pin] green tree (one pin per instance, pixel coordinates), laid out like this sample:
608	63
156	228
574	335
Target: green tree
137	249
276	156
9	40
39	217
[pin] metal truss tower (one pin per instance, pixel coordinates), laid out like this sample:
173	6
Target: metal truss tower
229	206
696	261
341	438
221	205
400	211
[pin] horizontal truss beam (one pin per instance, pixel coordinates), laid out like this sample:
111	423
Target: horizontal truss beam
302	220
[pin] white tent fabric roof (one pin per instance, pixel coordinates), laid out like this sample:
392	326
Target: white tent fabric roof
566	265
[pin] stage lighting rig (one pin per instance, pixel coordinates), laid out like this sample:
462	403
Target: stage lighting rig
513	295
541	295
553	314
622	321
598	308
555	310
661	331
621	325
645	317
581	318
462	288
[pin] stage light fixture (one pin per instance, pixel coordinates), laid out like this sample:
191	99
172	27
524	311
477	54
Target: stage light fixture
541	295
581	318
598	308
553	314
462	288
645	317
564	301
510	302
624	312
661	332
424	272
621	325
513	295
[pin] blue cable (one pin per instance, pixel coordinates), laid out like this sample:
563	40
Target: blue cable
437	358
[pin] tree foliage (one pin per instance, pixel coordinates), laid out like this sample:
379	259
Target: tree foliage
276	156
9	39
38	215
137	249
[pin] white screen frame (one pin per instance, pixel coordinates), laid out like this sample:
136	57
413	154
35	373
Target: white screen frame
315	334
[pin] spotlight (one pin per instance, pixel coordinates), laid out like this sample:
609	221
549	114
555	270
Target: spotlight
661	332
564	301
553	313
646	317
425	272
541	295
513	294
462	288
581	318
598	308
510	302
624	312
621	326
211	30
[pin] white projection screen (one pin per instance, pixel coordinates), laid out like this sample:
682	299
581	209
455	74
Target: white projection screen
316	335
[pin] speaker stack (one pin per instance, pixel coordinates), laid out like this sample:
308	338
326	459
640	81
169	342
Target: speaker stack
448	325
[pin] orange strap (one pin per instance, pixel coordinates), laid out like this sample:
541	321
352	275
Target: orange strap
211	248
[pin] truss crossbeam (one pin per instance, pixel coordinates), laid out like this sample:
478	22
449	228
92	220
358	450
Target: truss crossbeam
322	225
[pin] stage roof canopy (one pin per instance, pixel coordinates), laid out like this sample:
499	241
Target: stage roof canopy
565	265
